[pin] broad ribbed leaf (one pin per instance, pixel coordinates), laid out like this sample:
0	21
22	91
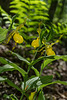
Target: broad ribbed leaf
10	83
58	81
49	59
45	63
13	85
46	79
18	68
20	57
5	61
41	96
6	68
36	71
30	83
23	59
2	79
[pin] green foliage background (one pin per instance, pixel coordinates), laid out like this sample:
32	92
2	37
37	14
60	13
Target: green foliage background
53	24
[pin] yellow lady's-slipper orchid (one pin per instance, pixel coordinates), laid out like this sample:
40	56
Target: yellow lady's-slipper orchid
35	43
49	50
18	38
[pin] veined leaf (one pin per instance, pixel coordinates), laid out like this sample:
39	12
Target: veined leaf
58	81
2	79
29	83
64	57
20	57
23	59
46	79
18	68
6	68
10	83
39	59
5	61
41	96
52	58
13	85
46	62
36	71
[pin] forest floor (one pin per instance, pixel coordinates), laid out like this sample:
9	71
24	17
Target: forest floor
58	69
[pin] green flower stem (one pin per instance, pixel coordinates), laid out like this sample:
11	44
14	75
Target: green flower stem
29	67
21	98
36	52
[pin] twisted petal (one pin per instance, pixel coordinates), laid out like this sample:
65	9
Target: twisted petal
10	36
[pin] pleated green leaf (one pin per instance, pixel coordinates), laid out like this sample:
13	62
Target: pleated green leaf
2	79
6	67
23	59
10	83
41	96
5	61
49	59
58	81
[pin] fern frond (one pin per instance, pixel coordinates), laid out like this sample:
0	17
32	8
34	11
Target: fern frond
53	31
6	16
39	17
60	28
36	10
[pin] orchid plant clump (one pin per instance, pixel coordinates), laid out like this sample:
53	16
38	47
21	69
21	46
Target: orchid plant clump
48	47
31	87
16	36
35	43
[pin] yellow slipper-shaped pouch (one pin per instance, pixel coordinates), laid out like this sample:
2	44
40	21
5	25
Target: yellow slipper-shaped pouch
35	43
18	38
